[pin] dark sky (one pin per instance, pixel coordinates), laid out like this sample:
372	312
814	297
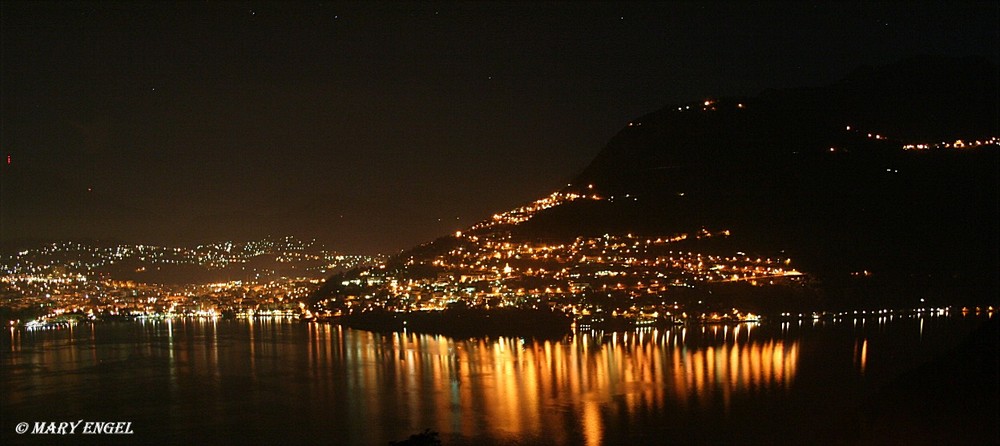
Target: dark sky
377	126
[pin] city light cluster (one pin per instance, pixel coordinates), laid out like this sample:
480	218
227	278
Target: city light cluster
62	282
626	276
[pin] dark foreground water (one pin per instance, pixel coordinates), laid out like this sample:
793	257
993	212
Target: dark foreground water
280	382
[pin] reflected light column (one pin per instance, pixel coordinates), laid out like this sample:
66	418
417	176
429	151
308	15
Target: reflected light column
592	426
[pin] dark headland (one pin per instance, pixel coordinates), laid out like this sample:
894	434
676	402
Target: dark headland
882	188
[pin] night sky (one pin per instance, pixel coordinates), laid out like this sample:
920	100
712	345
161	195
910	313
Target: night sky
377	126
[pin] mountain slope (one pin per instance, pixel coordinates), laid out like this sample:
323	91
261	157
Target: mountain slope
871	186
820	173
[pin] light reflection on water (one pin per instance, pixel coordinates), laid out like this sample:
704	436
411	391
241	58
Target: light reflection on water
368	388
511	388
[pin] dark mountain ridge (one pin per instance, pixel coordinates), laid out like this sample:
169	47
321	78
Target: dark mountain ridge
820	175
919	99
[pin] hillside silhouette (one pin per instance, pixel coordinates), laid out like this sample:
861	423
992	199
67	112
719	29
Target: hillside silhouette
796	171
820	175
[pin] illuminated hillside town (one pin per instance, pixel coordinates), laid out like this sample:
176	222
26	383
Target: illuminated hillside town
635	279
65	282
631	278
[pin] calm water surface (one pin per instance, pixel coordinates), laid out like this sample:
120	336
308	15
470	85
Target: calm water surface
283	382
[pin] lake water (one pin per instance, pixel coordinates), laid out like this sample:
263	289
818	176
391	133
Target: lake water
284	382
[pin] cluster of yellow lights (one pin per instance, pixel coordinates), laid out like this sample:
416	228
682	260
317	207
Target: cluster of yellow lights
525	213
956	144
77	294
491	269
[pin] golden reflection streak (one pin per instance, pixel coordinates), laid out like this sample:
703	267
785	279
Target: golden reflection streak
680	383
592	428
509	388
864	356
698	358
765	362
15	341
